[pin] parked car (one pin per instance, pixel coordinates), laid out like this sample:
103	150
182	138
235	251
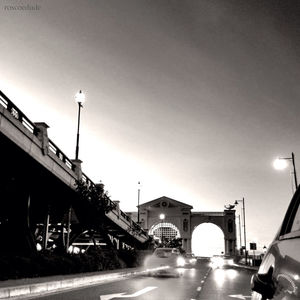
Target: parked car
278	276
170	258
190	260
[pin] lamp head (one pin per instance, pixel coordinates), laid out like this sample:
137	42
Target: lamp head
280	163
162	216
80	97
236	202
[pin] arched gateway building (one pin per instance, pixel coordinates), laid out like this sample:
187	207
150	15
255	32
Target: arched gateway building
180	221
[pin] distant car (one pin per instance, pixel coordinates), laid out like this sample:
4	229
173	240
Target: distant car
221	261
170	258
190	260
278	276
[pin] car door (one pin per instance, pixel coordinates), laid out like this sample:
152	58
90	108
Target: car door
279	274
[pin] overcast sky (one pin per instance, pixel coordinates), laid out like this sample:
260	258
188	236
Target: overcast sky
192	98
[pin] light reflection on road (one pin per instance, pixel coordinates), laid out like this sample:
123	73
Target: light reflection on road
222	275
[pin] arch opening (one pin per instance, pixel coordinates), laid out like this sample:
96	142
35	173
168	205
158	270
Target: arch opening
164	231
208	240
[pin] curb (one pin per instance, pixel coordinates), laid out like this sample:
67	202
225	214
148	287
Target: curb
36	289
246	267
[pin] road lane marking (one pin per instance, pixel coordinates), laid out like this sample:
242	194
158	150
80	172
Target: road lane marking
121	295
199	288
239	296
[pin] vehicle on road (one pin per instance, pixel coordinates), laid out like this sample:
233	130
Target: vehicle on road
278	276
170	258
190	260
221	261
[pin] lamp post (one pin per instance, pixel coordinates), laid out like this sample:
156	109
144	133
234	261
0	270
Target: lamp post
240	231
244	224
280	164
138	213
162	217
79	98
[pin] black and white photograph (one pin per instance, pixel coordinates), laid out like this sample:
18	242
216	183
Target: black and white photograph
150	149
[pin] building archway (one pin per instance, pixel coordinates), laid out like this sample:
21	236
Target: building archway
164	231
208	240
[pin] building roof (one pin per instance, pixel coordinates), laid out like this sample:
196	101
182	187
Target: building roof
169	201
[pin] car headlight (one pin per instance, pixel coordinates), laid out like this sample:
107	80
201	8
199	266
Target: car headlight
180	261
218	262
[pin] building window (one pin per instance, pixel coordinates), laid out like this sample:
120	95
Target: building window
185	225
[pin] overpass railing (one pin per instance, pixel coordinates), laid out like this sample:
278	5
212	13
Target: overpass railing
29	125
24	120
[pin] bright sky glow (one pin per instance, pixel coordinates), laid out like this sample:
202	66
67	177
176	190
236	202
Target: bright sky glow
191	98
207	240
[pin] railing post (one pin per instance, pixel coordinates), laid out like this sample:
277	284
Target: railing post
42	135
78	171
117	207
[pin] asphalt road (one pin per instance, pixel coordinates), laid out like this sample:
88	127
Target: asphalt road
201	283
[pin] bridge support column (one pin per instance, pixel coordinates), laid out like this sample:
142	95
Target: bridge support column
46	229
189	246
230	247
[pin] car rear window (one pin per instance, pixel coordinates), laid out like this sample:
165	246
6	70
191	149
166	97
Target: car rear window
163	253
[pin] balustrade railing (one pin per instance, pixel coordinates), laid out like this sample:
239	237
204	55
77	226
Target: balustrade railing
21	117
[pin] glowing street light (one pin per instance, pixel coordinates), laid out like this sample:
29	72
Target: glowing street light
281	163
80	99
162	217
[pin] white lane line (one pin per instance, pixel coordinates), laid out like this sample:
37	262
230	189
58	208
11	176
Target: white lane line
199	288
121	295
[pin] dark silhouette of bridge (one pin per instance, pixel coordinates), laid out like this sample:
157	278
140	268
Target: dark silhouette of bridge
39	201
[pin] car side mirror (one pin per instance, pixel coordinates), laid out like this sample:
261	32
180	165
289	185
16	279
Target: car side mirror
263	284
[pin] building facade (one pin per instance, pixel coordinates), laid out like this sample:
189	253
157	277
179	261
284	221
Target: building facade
180	221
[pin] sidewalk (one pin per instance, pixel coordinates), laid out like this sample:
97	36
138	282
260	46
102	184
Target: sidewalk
17	289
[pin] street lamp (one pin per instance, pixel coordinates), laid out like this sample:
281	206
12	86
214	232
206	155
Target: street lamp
244	225
79	98
162	217
240	230
138	214
280	164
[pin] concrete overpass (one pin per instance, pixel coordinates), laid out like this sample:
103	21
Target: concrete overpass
39	186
